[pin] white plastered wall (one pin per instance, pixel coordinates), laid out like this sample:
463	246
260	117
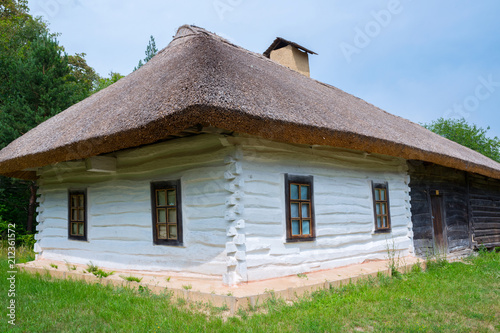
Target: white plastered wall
233	208
343	207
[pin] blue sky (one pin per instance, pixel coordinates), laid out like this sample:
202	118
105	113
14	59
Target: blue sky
420	60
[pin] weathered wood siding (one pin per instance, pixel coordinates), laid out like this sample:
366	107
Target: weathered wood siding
451	184
485	210
343	207
119	209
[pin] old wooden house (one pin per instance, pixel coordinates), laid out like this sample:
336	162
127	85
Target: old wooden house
212	160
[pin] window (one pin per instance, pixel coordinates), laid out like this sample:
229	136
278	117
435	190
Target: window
167	213
381	207
300	209
77	215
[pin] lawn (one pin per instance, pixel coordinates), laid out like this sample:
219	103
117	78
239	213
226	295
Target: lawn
447	297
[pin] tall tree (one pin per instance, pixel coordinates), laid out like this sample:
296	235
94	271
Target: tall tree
151	51
468	135
37	80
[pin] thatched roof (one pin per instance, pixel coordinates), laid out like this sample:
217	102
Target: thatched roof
202	79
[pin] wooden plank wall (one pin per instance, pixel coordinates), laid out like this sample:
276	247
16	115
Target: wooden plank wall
485	210
452	185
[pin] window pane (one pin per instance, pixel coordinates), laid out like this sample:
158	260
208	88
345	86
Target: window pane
385	222
74	215
384	208
305	210
379	222
304	192
161	198
172	231
171	197
294	192
74	228
80	229
306	227
382	195
172	215
74	201
80	201
81	215
162	231
295	227
294	209
162	215
377	194
377	205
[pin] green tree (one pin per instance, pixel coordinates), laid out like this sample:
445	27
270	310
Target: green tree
37	80
468	135
104	82
151	51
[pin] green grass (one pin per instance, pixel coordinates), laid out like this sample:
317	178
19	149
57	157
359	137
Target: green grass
456	297
131	278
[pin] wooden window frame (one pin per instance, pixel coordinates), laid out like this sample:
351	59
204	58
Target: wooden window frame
299	180
166	185
381	186
78	221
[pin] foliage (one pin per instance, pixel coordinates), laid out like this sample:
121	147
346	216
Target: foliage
104	82
37	81
456	297
151	51
468	135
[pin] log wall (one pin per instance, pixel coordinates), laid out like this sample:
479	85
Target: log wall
451	184
485	210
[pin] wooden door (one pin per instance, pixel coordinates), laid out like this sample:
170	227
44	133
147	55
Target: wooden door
440	244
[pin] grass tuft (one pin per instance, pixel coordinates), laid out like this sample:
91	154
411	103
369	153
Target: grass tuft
131	278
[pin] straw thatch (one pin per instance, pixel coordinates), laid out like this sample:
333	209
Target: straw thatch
201	79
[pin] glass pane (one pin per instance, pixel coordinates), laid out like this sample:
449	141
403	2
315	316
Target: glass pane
304	192
81	215
377	207
379	222
305	210
306	227
295	227
294	192
80	229
385	222
162	231
172	231
171	197
382	195
162	215
294	209
377	194
161	198
74	215
384	208
74	228
80	201
74	201
172	215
